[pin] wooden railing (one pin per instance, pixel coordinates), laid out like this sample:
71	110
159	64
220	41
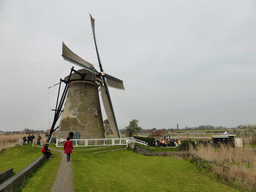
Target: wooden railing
100	142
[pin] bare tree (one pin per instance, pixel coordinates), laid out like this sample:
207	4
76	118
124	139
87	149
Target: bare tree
133	128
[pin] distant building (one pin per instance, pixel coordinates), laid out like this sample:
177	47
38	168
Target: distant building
159	134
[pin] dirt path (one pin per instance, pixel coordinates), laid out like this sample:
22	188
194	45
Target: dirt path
64	178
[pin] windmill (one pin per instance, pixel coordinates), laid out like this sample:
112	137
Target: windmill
82	112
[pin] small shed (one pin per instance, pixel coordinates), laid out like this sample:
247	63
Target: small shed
223	139
159	134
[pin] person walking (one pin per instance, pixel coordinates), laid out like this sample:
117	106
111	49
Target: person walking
68	146
24	140
38	139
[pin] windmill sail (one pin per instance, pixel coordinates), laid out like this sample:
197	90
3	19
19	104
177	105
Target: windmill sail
109	110
67	54
114	82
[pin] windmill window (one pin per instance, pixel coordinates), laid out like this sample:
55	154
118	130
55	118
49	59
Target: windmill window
74	111
95	112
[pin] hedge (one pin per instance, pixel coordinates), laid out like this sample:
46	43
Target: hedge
149	140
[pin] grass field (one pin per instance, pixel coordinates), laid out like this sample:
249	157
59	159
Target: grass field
127	170
18	157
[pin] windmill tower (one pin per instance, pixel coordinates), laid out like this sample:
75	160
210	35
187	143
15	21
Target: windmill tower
82	113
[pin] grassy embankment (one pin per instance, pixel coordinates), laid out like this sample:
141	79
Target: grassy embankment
43	178
18	157
127	170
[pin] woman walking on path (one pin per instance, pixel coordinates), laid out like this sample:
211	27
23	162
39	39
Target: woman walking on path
68	146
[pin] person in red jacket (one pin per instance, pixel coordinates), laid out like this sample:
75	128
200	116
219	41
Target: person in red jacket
46	151
68	146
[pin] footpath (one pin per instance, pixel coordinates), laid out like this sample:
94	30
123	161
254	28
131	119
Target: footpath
64	177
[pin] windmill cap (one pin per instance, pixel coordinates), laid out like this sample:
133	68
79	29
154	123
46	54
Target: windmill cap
88	76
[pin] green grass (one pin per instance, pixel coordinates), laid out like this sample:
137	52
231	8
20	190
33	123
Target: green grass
75	148
253	145
18	157
126	170
99	149
43	178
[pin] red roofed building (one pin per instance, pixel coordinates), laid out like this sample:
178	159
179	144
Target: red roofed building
159	134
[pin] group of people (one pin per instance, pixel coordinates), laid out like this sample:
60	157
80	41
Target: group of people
68	147
205	142
168	142
31	138
28	139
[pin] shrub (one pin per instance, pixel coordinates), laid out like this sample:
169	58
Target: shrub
185	144
149	140
157	149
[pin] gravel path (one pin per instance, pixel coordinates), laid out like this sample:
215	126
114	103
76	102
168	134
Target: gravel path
64	178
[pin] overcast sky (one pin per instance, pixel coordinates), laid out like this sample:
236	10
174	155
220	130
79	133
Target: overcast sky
182	62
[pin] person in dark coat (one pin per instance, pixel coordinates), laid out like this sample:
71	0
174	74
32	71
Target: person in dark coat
68	146
32	138
24	140
29	137
46	151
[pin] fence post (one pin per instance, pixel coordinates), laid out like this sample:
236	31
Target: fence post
113	142
76	142
86	142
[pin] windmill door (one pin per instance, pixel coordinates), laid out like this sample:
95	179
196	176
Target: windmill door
76	136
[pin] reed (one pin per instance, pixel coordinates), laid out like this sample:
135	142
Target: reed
241	163
7	141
